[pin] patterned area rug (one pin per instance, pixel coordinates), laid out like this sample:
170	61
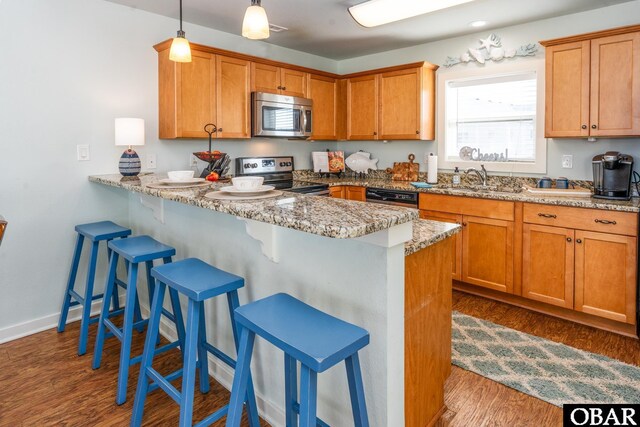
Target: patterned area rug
553	372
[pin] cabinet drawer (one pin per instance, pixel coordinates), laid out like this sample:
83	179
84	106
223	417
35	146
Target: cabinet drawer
494	209
582	219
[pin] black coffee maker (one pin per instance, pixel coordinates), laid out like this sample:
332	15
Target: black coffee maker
612	175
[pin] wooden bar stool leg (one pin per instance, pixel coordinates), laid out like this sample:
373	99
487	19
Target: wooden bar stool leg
73	272
88	299
147	355
127	330
108	287
308	396
241	377
189	372
115	294
252	407
356	391
290	390
203	359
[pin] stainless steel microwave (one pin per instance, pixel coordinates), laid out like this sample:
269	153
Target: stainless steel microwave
281	116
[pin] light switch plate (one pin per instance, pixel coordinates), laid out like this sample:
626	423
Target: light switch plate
83	152
567	161
151	161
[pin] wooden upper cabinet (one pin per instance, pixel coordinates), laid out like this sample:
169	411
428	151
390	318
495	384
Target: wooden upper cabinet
209	89
593	84
362	107
233	98
186	95
324	92
487	253
547	268
615	85
605	282
293	83
398	104
568	69
407	107
280	80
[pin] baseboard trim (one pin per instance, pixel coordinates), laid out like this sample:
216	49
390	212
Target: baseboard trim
31	327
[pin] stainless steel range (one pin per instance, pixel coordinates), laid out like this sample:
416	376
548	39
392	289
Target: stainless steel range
278	171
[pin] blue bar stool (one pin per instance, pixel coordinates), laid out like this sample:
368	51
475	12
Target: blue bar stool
198	281
134	250
96	232
315	339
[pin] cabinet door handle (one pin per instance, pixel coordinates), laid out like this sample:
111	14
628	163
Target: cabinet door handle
605	221
375	133
578	241
544	215
279	87
569	239
464	224
284	88
219	129
417	132
584	126
594	126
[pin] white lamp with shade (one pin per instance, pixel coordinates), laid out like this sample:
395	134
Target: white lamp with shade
129	132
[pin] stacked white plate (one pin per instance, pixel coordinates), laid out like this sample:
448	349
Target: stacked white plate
249	192
190	181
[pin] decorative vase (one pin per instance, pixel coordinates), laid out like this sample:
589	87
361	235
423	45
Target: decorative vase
129	163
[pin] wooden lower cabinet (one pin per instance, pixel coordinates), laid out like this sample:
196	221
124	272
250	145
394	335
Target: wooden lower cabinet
349	192
606	283
547	268
457	238
487	253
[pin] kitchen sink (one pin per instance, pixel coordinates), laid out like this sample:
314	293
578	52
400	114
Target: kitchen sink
480	188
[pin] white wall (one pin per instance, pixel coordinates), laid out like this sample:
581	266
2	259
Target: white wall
437	52
68	68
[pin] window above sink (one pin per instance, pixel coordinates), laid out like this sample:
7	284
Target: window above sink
493	115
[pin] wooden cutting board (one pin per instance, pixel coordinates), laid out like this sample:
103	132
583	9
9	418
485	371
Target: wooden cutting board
405	171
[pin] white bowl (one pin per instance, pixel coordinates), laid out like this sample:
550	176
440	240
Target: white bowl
247	182
180	175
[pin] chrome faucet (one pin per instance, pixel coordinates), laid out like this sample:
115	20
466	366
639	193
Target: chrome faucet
481	174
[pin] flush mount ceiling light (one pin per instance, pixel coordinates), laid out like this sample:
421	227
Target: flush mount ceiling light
378	12
477	24
180	49
255	25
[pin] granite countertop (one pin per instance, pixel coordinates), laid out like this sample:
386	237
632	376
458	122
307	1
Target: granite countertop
507	189
427	233
324	216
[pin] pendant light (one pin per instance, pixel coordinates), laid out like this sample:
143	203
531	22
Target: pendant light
180	49
255	25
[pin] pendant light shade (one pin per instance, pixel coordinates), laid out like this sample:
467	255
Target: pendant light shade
180	48
255	25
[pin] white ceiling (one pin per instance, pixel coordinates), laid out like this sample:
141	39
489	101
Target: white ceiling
325	28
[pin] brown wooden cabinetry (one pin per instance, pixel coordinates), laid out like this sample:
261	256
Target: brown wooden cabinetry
209	89
457	238
348	192
605	282
327	109
398	104
281	80
548	258
593	84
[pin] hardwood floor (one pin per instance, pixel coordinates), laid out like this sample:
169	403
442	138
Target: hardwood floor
473	400
44	383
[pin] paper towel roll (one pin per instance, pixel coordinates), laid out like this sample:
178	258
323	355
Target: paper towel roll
432	169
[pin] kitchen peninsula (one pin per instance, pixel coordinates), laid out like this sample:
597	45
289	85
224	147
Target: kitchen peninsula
377	266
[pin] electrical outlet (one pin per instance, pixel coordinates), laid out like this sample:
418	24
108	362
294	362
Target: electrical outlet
83	152
193	161
567	161
151	161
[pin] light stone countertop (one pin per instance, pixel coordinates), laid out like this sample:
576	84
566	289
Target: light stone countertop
504	191
323	216
427	233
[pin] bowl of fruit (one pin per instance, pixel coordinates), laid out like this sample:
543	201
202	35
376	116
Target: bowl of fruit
209	156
